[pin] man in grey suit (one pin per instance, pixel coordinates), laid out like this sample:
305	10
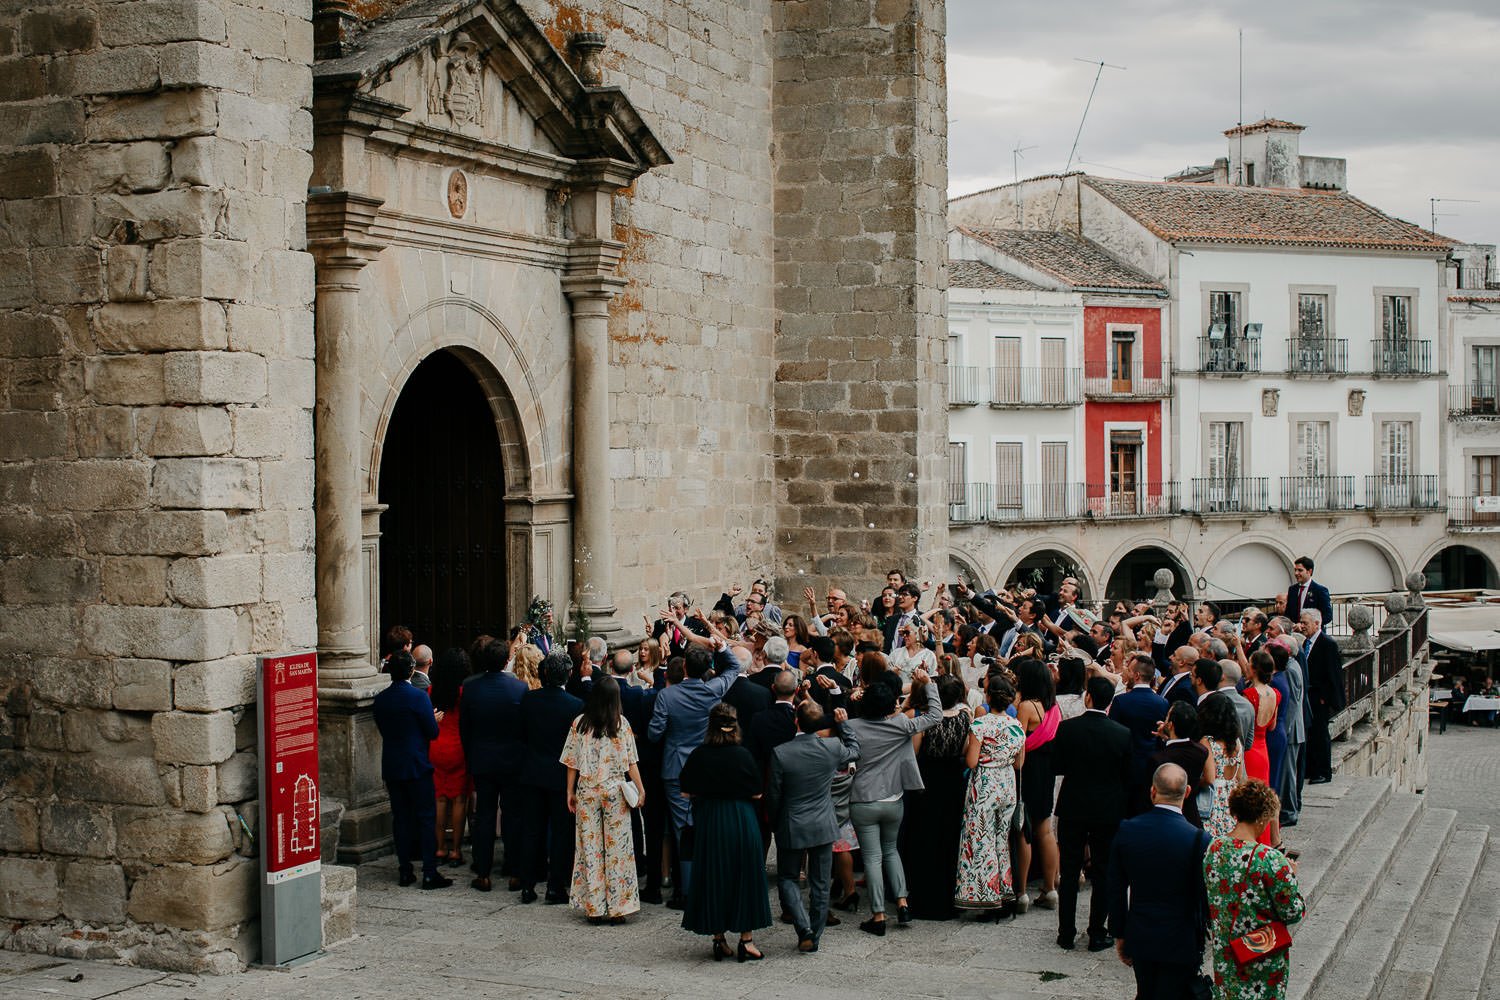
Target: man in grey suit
1289	785
679	722
799	799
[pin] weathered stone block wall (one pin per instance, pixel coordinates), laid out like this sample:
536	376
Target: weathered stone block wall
691	334
860	415
155	461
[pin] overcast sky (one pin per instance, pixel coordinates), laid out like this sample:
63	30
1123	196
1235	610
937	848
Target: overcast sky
1408	92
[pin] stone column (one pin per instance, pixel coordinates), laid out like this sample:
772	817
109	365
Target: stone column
593	495
338	225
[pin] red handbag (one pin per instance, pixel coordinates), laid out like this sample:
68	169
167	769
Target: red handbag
1263	942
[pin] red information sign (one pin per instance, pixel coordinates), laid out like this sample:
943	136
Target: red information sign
289	765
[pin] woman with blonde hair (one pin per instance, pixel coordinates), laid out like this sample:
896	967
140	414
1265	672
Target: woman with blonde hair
528	666
647	659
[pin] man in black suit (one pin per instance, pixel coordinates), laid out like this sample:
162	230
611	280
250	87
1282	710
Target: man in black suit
489	727
1306	593
1324	693
777	723
825	684
1091	754
648	823
1139	710
1179	685
1156	897
1180	746
750	694
407	724
546	834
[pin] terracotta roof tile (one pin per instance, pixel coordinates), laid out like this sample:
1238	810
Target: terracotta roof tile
1265	125
1076	263
977	274
1218	213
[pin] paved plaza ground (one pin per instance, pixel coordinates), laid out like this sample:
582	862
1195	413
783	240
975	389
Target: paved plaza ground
456	942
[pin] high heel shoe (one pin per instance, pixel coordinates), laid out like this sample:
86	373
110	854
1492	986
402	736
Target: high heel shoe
849	903
744	954
721	949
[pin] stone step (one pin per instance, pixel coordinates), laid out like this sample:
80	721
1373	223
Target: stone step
1333	818
1343	893
1382	928
1471	967
1427	947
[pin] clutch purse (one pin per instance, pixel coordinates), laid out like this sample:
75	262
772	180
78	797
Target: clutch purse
1264	941
633	799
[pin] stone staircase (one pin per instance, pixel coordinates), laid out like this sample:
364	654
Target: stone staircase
1404	902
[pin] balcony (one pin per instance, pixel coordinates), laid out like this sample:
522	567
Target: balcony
965	386
1231	496
1103	502
971	503
1401	492
1229	356
968	503
1402	357
1315	493
1317	356
1481	512
1044	386
1138	380
1474	399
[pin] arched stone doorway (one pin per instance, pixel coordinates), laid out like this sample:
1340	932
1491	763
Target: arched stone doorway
1459	567
443	537
1045	570
1131	577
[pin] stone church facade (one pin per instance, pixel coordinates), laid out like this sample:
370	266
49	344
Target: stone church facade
321	316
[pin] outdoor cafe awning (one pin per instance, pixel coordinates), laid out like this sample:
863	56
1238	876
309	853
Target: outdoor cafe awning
1466	641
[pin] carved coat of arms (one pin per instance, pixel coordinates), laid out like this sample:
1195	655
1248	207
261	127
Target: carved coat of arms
457	83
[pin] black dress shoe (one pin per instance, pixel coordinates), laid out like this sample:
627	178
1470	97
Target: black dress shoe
806	944
407	879
554	898
651	896
528	895
1318	781
482	884
1100	942
437	882
1065	942
873	926
903	914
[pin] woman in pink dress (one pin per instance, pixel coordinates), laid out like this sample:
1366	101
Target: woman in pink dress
1265	699
450	776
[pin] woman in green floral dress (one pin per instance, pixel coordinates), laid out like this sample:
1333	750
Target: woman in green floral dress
1249	885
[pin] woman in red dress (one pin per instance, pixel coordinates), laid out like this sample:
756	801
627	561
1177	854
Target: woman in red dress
1265	699
450	777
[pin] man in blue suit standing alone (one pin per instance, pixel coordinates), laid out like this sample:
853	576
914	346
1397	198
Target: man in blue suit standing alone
407	724
679	721
1156	898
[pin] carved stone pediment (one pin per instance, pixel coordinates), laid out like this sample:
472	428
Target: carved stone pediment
451	73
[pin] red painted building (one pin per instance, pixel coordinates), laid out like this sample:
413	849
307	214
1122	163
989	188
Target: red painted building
1127	386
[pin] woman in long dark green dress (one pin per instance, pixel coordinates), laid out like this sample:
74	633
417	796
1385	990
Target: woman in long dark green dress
935	815
728	889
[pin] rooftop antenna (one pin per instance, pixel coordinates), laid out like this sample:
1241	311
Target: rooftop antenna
1079	134
1015	167
1433	202
1239	134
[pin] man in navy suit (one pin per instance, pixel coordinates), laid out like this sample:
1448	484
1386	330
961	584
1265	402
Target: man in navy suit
1156	898
1306	593
679	721
1139	710
546	834
1323	690
406	722
1179	686
490	730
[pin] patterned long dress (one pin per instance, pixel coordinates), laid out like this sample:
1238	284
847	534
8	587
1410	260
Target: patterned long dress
1249	885
984	874
604	882
1219	822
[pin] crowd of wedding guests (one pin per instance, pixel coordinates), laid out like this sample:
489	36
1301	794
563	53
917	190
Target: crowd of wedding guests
971	759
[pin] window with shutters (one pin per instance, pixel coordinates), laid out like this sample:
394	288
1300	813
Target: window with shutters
1054	479
1395	449
1395	318
1485	475
1312	317
958	470
1312	458
1008	474
1054	352
1482	379
1007	369
1224	455
1224	313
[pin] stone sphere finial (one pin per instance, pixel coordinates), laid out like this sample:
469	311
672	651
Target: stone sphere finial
590	48
1395	604
1416	581
1361	617
1163	579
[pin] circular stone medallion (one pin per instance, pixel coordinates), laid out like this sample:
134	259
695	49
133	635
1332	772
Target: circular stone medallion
458	194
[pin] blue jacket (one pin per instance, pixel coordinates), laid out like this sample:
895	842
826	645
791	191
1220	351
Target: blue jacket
546	716
406	723
1156	898
489	727
679	719
1139	711
1317	597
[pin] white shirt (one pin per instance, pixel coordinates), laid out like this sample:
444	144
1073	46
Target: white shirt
1168	805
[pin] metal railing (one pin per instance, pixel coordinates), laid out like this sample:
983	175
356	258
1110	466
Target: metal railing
1474	399
1366	672
1036	386
1402	357
968	503
1317	356
1477	277
1101	378
1474	512
1220	496
1037	502
1229	355
1317	493
1104	502
965	386
1401	492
